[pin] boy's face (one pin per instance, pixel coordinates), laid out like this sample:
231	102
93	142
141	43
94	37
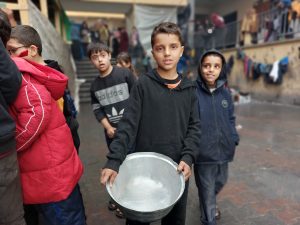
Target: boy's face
101	60
211	68
167	51
15	48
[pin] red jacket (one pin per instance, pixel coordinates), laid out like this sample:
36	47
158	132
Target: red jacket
49	165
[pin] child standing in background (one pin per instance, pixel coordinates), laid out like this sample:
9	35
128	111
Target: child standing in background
124	60
109	94
219	136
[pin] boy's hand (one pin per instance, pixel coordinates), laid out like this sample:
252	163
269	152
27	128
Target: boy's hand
185	169
111	132
108	175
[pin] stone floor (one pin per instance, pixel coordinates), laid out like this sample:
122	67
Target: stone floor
264	179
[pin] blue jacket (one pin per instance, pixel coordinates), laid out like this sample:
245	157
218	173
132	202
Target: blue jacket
219	136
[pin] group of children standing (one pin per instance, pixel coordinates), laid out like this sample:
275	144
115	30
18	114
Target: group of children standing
190	122
162	111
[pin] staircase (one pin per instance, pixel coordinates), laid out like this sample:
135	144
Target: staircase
85	70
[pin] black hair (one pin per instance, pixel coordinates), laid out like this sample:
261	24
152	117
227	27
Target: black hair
27	35
97	47
166	28
5	27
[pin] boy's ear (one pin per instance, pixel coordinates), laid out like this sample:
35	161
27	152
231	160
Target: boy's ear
33	51
182	49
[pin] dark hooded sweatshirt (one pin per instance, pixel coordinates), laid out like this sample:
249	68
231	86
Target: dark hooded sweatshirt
219	136
10	81
158	119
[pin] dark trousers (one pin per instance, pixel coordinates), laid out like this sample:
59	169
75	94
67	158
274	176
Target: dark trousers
176	216
11	203
65	212
210	179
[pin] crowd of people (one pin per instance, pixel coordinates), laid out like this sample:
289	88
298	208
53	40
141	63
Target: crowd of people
159	111
119	41
265	21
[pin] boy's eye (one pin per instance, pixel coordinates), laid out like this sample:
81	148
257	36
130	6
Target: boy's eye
174	46
159	49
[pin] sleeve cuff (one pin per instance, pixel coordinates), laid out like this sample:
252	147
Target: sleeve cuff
188	159
113	164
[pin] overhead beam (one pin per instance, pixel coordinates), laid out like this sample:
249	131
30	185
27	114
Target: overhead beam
95	14
44	7
12	6
144	2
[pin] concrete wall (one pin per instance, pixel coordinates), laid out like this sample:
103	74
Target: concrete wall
289	91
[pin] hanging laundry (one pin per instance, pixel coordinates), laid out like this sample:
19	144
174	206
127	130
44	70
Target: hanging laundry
274	72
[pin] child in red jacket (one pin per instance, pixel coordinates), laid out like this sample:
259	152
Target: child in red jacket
49	164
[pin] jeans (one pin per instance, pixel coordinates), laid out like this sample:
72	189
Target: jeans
11	202
177	214
65	212
210	179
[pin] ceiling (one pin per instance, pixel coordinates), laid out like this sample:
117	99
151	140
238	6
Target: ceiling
119	8
78	5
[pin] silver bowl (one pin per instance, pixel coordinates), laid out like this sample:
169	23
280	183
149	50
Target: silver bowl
147	186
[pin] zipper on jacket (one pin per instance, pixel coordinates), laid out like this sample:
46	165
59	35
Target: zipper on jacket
216	123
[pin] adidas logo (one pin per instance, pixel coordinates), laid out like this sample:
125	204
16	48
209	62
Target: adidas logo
115	117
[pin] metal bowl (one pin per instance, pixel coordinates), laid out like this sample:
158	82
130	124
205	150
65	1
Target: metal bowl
147	186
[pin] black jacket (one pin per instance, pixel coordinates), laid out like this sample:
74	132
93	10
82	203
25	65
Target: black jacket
219	135
158	119
10	81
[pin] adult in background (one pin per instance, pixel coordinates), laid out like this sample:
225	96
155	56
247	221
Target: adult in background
124	40
85	35
135	46
11	205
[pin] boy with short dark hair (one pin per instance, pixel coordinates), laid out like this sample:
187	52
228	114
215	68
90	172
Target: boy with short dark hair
219	138
109	94
162	116
110	90
50	166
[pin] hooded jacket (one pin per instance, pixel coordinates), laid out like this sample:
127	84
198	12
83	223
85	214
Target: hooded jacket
158	119
68	107
219	136
10	81
49	165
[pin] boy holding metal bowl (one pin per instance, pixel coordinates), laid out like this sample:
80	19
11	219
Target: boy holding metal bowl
162	116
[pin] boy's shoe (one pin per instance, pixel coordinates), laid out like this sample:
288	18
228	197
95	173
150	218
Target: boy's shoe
119	214
111	206
218	213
